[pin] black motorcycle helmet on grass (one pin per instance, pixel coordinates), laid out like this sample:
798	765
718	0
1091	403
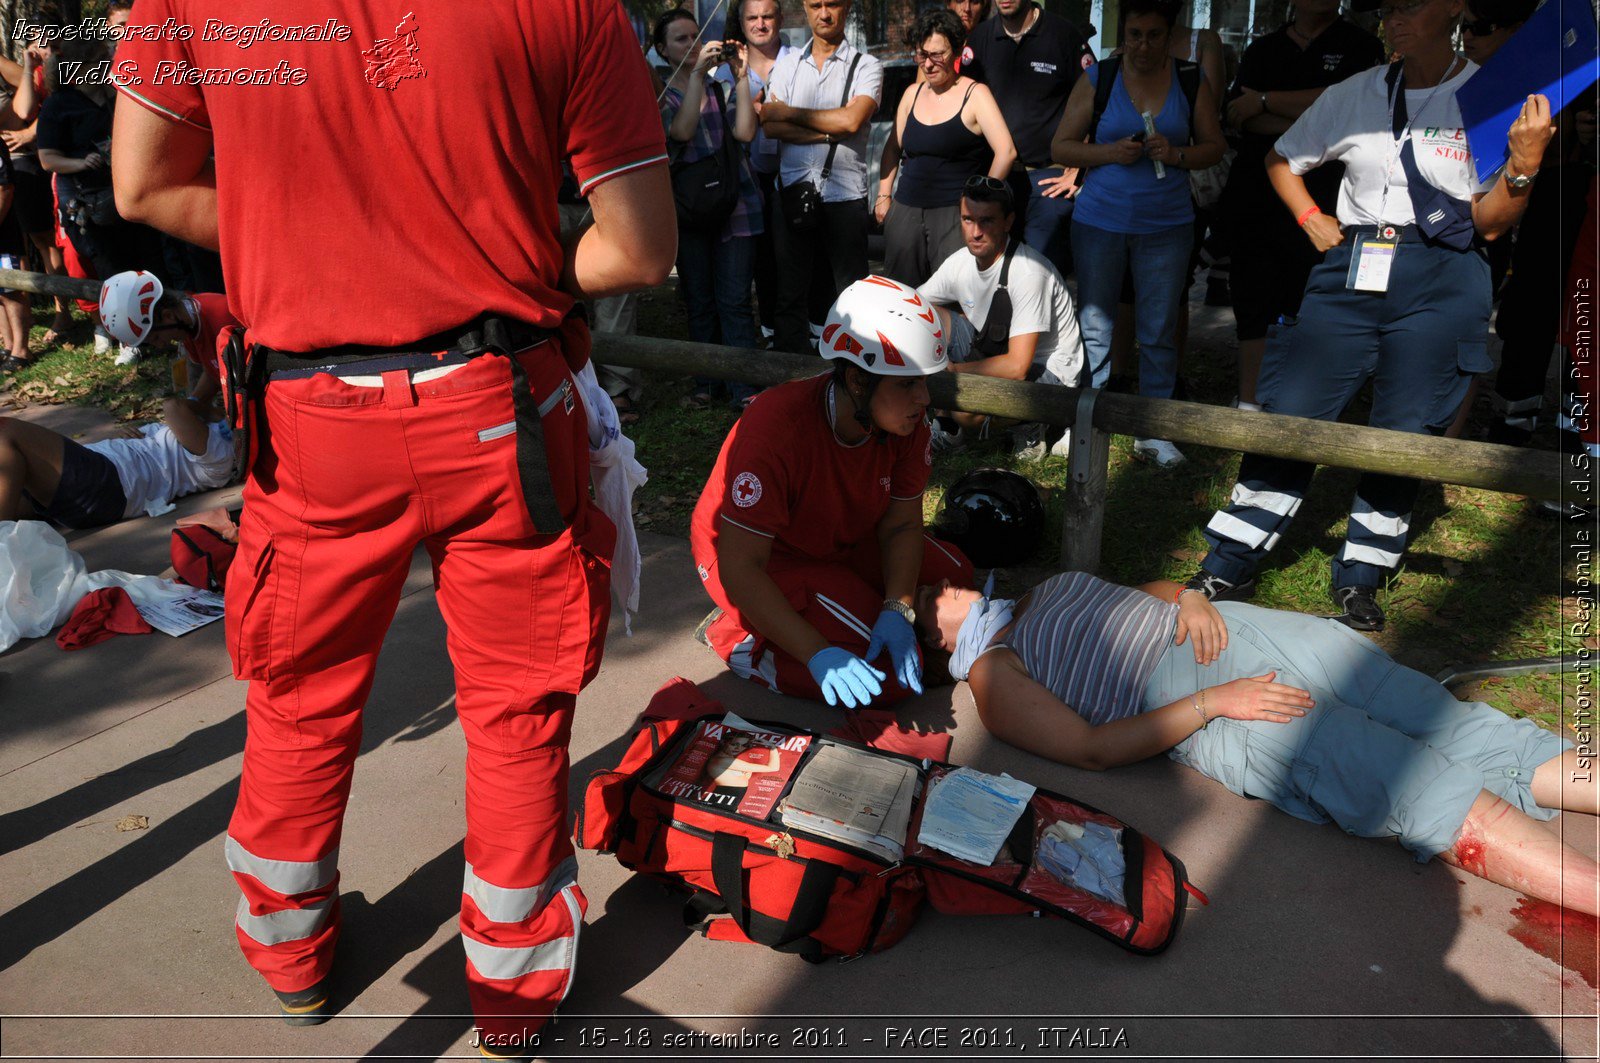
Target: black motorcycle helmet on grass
996	517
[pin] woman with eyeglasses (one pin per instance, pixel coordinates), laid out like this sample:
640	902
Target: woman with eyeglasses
947	128
1400	298
1134	211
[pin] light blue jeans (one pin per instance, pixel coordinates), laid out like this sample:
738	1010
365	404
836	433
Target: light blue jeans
1386	752
1159	262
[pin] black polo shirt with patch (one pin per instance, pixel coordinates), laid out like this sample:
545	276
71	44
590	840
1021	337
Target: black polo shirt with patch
1275	63
1030	78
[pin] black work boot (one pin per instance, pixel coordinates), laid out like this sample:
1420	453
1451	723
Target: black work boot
1217	589
1359	608
308	1007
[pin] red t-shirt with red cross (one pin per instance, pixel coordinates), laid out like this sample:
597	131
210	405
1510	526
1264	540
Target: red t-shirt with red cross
784	474
386	171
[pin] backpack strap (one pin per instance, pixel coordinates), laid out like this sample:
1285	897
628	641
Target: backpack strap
1189	78
833	149
1105	78
1005	266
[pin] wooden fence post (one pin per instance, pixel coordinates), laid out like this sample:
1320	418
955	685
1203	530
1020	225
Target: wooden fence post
1083	514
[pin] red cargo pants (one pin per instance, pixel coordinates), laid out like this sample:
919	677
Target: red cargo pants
349	481
841	599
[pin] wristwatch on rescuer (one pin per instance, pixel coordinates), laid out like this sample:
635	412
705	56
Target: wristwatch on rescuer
903	609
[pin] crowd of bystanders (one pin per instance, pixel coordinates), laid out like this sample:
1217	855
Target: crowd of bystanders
1052	205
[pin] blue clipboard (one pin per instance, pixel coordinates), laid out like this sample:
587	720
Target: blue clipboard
1555	53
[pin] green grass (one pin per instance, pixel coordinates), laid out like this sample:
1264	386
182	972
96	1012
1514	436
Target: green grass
71	372
1482	580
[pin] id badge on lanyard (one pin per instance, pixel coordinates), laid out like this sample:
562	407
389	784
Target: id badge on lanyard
1372	257
1372	260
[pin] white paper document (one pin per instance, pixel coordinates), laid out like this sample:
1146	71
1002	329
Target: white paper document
180	615
968	814
856	797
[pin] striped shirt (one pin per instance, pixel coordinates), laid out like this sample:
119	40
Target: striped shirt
746	219
1093	644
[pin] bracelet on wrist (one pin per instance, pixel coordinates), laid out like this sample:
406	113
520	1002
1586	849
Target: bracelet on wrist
1194	700
1311	212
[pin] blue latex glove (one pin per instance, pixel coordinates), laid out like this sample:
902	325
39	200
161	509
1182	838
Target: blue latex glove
845	677
894	632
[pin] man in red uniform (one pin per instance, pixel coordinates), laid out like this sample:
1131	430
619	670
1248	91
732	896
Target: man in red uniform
808	535
384	196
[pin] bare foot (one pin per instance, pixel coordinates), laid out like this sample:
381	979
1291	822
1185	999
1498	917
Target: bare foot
58	328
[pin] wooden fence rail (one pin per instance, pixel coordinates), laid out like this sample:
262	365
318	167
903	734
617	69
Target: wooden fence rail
1092	415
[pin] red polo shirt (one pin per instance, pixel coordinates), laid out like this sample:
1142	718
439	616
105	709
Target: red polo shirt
782	473
383	176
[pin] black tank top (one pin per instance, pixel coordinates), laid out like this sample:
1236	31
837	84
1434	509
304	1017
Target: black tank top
936	160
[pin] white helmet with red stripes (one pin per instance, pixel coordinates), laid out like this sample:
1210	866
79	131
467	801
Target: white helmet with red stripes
128	305
886	328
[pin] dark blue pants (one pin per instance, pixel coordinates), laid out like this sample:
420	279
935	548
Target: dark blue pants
1420	343
1044	223
714	280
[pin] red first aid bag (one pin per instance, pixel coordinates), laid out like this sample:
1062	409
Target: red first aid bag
750	877
785	889
200	556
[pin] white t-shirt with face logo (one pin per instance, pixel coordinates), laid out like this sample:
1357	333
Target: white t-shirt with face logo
1349	123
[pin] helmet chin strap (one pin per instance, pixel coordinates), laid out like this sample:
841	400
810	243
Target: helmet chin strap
863	414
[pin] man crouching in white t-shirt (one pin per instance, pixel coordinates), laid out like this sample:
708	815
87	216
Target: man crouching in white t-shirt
1028	333
46	476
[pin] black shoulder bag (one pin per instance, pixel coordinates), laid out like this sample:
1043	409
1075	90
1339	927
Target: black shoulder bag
707	190
802	201
996	335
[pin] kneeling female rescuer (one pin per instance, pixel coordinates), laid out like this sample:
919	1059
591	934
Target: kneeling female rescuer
811	522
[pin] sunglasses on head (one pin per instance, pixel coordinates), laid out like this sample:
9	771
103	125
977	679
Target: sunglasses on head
983	182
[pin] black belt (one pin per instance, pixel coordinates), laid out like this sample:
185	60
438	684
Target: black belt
1413	235
249	372
486	335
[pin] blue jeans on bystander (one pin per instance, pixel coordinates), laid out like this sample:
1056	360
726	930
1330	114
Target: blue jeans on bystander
714	281
1159	262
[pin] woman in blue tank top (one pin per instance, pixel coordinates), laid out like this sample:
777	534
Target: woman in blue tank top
1296	710
1134	211
947	129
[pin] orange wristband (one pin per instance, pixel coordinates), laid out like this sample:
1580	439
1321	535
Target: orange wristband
1308	215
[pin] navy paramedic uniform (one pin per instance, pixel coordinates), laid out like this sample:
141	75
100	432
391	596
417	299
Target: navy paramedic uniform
1420	342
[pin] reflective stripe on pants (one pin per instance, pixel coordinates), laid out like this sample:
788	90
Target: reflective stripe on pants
1420	344
352	479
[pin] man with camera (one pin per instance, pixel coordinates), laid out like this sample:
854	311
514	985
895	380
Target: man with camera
819	105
